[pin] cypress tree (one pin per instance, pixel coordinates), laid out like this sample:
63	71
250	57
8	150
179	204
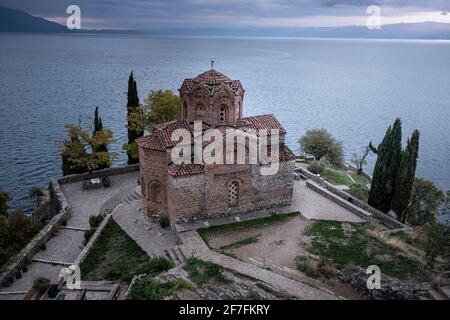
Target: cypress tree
132	104
98	127
386	168
405	178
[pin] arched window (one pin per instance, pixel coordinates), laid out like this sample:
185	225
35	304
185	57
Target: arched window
223	114
199	112
156	192
233	193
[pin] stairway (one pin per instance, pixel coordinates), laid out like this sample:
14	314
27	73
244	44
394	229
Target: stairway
175	254
133	195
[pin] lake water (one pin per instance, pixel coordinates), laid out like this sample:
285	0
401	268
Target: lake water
354	88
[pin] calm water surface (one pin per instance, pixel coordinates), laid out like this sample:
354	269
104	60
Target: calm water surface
354	88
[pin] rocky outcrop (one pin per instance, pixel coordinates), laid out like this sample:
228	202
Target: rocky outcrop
391	288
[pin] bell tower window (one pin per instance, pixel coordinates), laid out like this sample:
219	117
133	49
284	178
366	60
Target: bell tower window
222	114
233	194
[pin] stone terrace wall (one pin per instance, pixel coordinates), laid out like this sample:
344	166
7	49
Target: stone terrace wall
385	219
62	210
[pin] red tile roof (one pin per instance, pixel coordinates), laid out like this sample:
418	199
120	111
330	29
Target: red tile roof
165	131
285	153
266	121
152	142
211	78
177	170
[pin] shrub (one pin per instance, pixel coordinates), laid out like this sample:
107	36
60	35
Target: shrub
155	266
41	285
154	289
324	268
94	221
164	221
317	167
359	191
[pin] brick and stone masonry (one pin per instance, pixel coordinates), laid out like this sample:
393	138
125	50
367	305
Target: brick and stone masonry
188	192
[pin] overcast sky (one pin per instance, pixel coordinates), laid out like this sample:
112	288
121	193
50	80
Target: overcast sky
147	14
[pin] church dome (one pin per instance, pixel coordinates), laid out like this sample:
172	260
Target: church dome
211	78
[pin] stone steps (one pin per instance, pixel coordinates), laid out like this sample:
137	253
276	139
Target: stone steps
175	254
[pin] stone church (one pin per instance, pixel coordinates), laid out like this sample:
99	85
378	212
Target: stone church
188	192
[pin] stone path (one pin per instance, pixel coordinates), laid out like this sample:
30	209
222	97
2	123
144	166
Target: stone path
193	245
67	244
312	205
153	239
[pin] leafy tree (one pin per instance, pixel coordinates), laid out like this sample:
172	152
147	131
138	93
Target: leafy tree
4	198
321	144
405	179
359	191
386	168
16	230
83	153
444	209
133	133
159	107
437	241
359	160
425	201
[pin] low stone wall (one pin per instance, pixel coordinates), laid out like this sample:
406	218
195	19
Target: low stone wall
383	218
62	208
83	254
98	173
354	169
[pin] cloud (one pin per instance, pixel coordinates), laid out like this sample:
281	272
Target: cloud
145	14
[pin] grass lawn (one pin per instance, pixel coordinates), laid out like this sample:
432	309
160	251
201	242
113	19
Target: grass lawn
411	239
337	177
245	225
114	256
241	243
359	179
356	246
151	288
202	272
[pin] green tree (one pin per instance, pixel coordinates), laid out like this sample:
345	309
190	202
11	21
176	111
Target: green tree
98	129
437	241
81	153
16	230
133	132
159	107
4	198
321	144
389	154
405	179
424	203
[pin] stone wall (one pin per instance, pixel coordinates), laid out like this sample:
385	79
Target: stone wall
62	210
391	288
383	218
205	196
153	171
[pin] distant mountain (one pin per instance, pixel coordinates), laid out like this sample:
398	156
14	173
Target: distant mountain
426	30
12	20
